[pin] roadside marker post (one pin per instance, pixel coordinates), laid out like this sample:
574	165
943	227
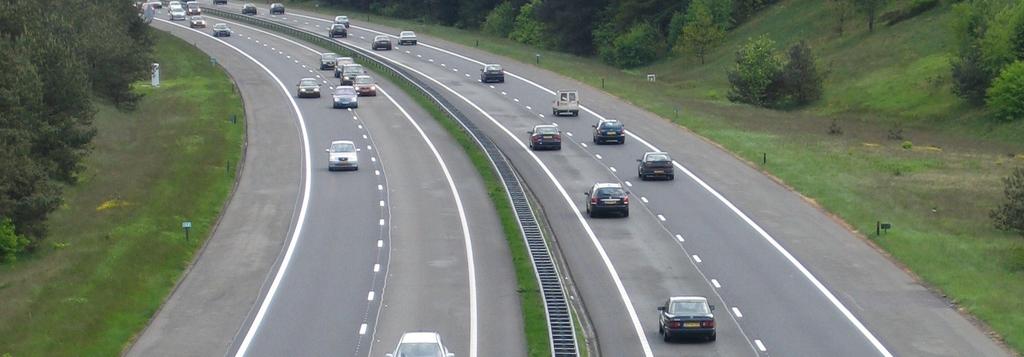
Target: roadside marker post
187	226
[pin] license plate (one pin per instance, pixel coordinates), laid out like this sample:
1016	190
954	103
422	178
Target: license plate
659	171
612	134
610	201
691	324
547	136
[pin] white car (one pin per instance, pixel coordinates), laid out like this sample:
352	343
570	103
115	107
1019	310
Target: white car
342	155
566	102
406	38
420	344
177	13
342	20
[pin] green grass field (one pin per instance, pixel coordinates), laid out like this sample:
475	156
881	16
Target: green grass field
115	248
937	193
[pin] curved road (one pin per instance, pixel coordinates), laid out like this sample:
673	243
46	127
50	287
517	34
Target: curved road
787	279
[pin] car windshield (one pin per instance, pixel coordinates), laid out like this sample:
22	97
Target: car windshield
345	91
354	68
418	350
380	38
607	192
220	26
197	18
493	67
658	157
341	18
545	130
308	83
342	147
363	80
337	26
611	125
688	308
329	56
408	34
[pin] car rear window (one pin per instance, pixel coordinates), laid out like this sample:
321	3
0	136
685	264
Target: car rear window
342	147
546	130
688	308
363	80
345	91
329	56
308	82
493	67
608	192
353	68
611	125
658	157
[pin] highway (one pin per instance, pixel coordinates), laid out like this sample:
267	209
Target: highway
369	254
787	279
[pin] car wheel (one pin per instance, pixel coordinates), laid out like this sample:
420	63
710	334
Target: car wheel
671	177
713	337
661	329
622	140
575	113
625	213
559	147
667	336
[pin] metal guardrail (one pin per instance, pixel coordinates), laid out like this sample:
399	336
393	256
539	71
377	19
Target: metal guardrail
561	330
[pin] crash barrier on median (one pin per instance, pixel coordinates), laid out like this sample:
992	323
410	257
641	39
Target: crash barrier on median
561	330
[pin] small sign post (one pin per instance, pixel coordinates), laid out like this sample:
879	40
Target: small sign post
187	226
156	75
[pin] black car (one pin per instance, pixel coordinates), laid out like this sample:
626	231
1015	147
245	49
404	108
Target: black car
328	60
277	8
381	42
248	9
492	73
220	2
221	30
607	197
655	165
609	130
687	316
545	137
337	30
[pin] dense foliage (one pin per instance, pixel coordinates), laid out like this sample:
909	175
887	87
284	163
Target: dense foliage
1006	96
1010	215
763	77
57	56
989	38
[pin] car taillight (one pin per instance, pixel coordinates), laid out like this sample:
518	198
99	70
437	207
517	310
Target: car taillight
675	324
625	200
593	200
557	136
707	324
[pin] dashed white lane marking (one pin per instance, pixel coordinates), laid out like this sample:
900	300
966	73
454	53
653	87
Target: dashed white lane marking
296	61
380	187
368	147
376	172
420	56
376	268
257	41
737	312
360	126
696	258
503	93
569	133
362	38
643	199
555	124
541	115
362	329
364	136
528	108
280	52
715	283
467	75
679	237
515	100
288	56
307	23
760	346
661	217
355	117
303	66
382	203
455	69
406	52
444	65
310	70
630	184
380	243
583	144
612	168
431	60
598	156
273	49
492	87
248	38
374	159
264	45
369	297
382	221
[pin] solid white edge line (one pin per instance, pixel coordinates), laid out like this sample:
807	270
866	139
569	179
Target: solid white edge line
300	221
470	262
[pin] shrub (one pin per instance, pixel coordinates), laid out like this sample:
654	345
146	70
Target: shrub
11	243
527	28
907	145
757	67
501	20
1005	99
638	46
970	78
1010	215
700	32
800	81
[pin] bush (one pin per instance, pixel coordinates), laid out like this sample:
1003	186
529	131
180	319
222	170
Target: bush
10	243
501	20
757	67
638	46
1010	215
970	78
907	145
527	28
1005	99
800	81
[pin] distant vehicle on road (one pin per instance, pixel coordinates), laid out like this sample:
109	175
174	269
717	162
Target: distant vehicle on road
337	30
346	97
192	8
328	60
220	2
277	8
566	102
492	73
309	88
609	130
342	20
545	136
365	86
381	42
655	164
177	13
196	22
221	30
342	61
420	344
687	316
349	73
174	3
342	155
155	4
607	197
407	38
249	9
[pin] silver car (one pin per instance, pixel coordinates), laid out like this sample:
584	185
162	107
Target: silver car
346	97
420	344
342	20
177	13
342	155
341	62
406	38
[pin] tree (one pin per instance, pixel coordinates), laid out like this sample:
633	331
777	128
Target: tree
1010	215
970	77
1005	99
842	10
501	20
870	8
700	32
757	67
11	243
800	81
527	28
570	23
675	28
638	46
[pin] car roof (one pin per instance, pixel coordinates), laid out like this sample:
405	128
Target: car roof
329	53
688	298
420	337
379	37
544	126
655	153
363	76
405	32
607	185
307	79
342	142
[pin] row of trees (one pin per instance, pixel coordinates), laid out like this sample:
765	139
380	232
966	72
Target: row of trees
988	59
56	57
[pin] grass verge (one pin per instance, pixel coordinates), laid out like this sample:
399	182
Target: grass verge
937	193
115	249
